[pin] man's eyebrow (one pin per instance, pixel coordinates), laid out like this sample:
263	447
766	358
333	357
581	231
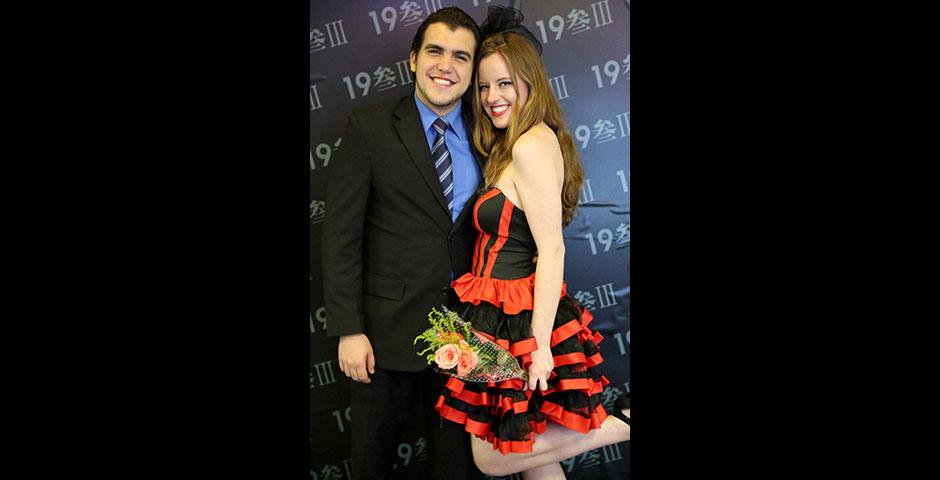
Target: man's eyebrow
438	47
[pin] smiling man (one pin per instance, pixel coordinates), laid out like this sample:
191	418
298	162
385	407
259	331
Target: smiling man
396	233
442	66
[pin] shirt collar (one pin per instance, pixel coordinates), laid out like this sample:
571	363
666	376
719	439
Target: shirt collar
454	119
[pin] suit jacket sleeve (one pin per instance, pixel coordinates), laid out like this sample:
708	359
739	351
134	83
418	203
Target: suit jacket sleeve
347	195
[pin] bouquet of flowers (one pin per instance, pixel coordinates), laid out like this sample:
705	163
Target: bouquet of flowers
460	351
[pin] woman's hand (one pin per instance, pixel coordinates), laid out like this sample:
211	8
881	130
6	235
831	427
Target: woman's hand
541	368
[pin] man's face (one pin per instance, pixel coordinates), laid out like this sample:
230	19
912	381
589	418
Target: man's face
443	66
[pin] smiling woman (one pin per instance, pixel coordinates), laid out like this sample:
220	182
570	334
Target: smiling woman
531	183
497	93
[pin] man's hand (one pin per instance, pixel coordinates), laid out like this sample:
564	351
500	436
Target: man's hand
355	357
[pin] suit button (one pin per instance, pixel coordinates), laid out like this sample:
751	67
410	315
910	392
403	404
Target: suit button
444	291
450	238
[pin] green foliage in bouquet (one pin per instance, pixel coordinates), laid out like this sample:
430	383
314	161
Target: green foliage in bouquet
444	328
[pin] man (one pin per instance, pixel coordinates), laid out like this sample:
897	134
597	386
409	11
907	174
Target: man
397	231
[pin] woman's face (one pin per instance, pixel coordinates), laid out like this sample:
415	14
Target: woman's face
497	97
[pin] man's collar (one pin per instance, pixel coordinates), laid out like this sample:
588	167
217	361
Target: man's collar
453	118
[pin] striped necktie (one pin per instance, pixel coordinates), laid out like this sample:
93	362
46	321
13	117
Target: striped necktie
442	163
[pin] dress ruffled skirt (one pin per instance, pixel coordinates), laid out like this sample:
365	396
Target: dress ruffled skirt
505	413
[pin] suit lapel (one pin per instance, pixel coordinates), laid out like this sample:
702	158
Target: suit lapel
408	126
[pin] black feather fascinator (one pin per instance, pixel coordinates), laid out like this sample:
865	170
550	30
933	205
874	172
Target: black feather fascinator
501	19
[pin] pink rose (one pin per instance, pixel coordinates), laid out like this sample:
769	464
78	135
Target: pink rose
447	356
463	346
467	362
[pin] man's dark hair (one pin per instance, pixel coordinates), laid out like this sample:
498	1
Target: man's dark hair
453	17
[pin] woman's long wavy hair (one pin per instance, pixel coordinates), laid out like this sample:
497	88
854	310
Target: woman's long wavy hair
496	144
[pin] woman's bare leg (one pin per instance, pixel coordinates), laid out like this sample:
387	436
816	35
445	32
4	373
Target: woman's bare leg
556	444
552	471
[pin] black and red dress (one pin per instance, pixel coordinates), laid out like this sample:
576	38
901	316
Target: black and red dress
496	298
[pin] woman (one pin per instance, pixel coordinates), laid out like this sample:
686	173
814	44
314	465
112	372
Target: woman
532	181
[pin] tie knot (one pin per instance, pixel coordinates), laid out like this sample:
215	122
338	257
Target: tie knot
439	126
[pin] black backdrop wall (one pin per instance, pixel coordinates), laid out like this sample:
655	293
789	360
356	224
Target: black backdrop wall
358	58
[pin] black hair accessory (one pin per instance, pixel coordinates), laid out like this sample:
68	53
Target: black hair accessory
500	19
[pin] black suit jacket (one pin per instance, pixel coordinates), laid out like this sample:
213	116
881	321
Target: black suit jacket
389	245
